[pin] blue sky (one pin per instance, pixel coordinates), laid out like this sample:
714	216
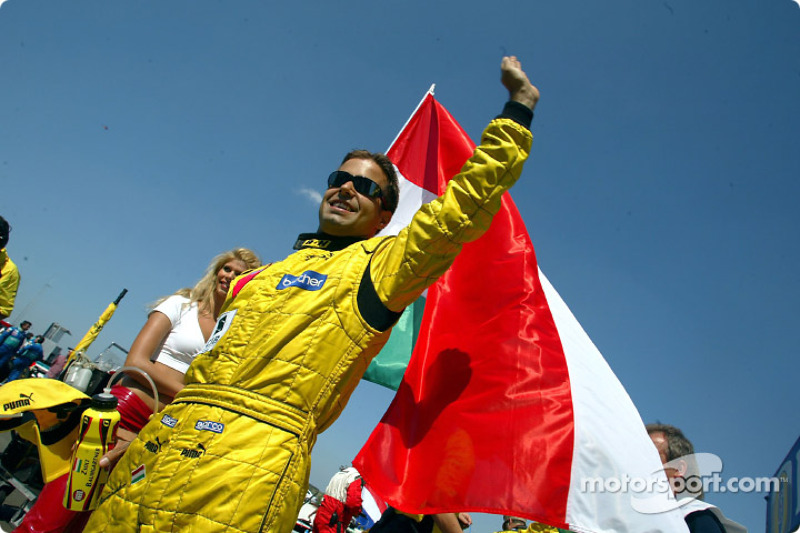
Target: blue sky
139	139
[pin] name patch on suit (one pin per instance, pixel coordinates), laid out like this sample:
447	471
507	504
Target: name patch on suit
222	327
308	280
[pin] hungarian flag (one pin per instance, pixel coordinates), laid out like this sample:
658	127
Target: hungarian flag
506	406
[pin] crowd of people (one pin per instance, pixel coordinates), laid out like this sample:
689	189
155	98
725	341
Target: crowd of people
248	369
19	349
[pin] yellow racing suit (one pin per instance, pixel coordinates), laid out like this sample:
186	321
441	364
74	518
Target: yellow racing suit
232	452
9	283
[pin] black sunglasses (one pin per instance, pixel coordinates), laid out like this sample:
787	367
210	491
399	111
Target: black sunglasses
363	185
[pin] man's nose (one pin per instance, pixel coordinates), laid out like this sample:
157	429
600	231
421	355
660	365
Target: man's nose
348	188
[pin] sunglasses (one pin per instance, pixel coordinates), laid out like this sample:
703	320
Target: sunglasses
362	185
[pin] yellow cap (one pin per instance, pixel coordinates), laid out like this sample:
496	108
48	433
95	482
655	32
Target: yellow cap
39	410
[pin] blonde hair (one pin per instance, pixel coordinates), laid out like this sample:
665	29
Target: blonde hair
203	291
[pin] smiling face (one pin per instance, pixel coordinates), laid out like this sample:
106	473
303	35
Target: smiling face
344	212
225	275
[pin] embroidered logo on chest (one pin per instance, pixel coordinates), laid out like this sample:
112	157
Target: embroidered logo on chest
169	421
208	425
308	280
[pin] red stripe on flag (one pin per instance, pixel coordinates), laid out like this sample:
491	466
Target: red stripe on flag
421	151
483	419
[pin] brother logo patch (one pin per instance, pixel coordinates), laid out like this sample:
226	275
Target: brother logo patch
308	280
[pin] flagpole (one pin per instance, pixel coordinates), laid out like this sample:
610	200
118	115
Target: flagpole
430	91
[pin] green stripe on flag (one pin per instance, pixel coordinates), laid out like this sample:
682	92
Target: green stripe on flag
390	364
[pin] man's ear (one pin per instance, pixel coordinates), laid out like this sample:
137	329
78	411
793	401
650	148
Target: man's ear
386	217
681	466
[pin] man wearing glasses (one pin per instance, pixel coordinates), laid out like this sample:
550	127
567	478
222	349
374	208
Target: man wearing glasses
234	447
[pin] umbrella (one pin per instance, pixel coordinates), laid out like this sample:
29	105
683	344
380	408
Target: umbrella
94	331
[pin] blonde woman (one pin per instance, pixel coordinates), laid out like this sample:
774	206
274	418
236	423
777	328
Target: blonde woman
176	330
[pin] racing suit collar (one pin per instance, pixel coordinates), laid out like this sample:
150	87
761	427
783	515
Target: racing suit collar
323	241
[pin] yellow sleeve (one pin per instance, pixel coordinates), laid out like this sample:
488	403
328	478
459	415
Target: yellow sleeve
9	283
408	264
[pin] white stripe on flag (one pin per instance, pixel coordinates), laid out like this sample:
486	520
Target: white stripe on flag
610	441
412	197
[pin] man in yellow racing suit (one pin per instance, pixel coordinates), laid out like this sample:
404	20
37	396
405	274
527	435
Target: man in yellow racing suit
9	274
232	452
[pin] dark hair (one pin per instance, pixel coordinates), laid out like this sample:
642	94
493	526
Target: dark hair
5	229
677	443
25	322
390	196
514	523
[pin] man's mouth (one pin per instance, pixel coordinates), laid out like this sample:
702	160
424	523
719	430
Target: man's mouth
341	205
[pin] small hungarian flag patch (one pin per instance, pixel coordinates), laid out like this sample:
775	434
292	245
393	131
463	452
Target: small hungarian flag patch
137	474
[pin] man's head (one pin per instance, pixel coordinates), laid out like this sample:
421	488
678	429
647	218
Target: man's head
24	325
39	339
676	453
352	206
5	229
513	523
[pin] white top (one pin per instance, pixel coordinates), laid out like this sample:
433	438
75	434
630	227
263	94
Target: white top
185	340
